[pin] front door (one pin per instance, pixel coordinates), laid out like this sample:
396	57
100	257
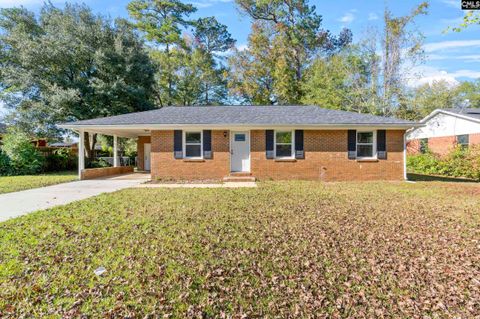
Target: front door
240	151
146	156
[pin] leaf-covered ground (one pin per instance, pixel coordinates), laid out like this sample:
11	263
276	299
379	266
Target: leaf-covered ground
296	249
10	184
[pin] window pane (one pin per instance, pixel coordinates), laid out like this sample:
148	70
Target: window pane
284	137
365	150
365	137
239	137
284	150
193	150
462	139
193	137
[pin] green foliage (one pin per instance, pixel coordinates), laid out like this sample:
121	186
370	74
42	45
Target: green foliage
460	162
24	158
60	160
69	64
5	164
470	18
286	36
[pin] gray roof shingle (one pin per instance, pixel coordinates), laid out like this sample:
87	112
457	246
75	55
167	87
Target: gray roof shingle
470	112
244	115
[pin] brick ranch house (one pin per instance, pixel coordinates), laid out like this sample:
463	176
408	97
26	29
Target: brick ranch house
265	142
444	129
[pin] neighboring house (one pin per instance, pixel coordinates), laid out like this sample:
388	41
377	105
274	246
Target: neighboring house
444	129
266	142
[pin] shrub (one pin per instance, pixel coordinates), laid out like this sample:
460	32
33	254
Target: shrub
5	164
24	158
459	162
61	160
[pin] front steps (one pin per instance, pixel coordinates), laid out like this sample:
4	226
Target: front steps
239	177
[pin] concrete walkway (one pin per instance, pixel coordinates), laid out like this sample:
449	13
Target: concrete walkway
24	202
193	185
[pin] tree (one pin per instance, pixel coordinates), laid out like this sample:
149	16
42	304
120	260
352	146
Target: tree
162	22
341	81
69	64
436	95
293	36
469	19
22	156
470	92
402	48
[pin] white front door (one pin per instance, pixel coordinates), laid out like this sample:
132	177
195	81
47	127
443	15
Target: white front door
146	156
240	151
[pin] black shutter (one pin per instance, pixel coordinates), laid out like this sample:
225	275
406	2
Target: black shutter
177	144
207	144
352	144
269	144
299	151
382	144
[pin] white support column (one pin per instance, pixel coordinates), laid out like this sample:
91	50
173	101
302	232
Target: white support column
115	151
81	153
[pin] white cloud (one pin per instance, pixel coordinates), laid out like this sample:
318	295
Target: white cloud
437	46
372	16
348	17
464	58
206	3
16	3
452	3
428	74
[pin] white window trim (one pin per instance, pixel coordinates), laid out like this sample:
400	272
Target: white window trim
292	153
185	145
374	146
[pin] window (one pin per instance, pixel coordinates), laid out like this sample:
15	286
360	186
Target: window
423	145
462	140
283	143
193	144
240	138
366	144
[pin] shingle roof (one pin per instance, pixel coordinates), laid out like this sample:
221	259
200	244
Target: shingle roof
243	115
470	112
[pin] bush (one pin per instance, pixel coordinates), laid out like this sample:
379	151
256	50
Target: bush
61	160
100	163
24	157
5	165
459	162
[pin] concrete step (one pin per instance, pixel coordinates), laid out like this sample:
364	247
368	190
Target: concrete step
239	179
238	174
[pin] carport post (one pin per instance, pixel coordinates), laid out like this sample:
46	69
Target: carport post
115	151
81	152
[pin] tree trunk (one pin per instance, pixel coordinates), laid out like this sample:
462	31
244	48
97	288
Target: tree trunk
90	146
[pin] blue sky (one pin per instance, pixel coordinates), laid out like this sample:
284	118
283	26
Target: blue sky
452	56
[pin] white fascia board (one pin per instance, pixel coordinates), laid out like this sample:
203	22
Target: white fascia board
465	117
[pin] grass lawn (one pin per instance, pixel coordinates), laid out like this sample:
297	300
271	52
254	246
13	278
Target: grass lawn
10	184
291	249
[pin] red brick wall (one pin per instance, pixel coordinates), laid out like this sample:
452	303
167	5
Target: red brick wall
140	150
91	173
325	159
440	145
165	166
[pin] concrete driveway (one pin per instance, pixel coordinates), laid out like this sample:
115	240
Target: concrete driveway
24	202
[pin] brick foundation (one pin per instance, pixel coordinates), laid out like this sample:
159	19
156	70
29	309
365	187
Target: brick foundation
91	173
325	159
